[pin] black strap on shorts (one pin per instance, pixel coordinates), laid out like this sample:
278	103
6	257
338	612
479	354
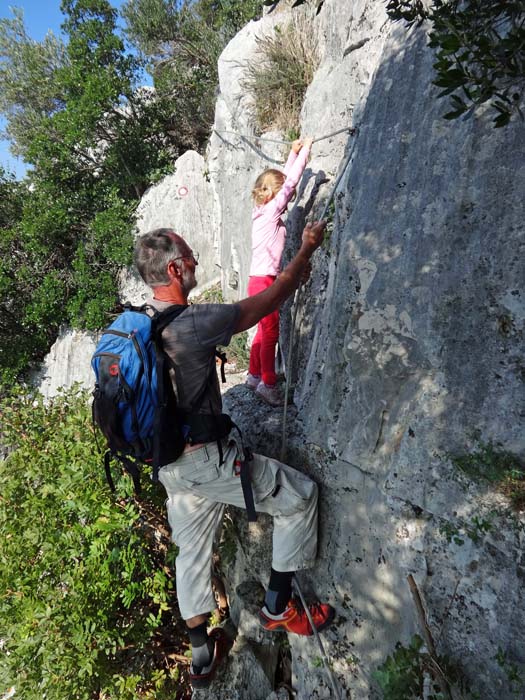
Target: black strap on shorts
246	481
246	484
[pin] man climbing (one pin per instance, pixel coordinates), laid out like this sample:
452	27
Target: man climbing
209	473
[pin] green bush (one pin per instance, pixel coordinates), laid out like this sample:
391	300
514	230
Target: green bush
501	469
84	589
277	79
59	264
410	673
13	268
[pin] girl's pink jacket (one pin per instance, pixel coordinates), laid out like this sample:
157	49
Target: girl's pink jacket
268	229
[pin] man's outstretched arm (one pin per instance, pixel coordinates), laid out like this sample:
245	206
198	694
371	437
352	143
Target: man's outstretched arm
252	309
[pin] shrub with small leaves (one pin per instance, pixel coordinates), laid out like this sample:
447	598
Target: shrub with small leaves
82	593
401	675
94	143
515	673
410	673
501	469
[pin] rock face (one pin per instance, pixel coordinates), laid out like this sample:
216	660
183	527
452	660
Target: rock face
187	203
408	349
67	363
235	162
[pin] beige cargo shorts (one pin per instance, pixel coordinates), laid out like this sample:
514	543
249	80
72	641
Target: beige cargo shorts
198	487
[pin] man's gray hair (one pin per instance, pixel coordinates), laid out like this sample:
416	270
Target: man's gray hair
154	251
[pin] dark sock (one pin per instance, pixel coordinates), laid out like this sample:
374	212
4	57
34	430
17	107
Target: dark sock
202	647
198	635
279	591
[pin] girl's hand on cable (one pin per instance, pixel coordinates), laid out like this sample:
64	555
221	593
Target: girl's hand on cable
313	235
297	145
307	142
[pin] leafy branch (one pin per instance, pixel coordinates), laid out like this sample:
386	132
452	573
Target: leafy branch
480	52
297	3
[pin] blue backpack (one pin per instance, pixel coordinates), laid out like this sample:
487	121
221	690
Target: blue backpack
134	404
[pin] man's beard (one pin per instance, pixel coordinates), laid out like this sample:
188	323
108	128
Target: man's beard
188	280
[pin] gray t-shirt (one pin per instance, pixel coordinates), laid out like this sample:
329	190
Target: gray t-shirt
190	340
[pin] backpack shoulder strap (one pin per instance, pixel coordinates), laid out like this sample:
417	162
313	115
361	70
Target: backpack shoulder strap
161	319
220	355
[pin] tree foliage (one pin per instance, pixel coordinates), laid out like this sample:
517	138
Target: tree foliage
297	3
181	42
11	199
480	51
84	587
95	143
106	129
11	205
28	90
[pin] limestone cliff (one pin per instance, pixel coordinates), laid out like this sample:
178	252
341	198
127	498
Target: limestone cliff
408	349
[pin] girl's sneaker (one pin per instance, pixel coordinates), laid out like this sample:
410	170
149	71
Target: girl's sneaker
295	620
252	381
270	393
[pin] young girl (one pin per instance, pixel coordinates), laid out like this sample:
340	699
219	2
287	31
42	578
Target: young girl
271	194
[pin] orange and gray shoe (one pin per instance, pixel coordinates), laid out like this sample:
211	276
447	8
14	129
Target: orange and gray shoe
201	677
295	620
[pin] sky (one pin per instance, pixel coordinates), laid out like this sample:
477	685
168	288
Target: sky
40	16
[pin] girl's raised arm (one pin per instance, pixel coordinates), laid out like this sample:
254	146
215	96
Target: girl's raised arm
293	175
292	156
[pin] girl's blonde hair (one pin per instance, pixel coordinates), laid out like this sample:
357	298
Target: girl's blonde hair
267	185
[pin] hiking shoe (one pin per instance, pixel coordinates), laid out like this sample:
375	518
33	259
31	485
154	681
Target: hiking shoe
271	394
252	381
294	618
202	676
